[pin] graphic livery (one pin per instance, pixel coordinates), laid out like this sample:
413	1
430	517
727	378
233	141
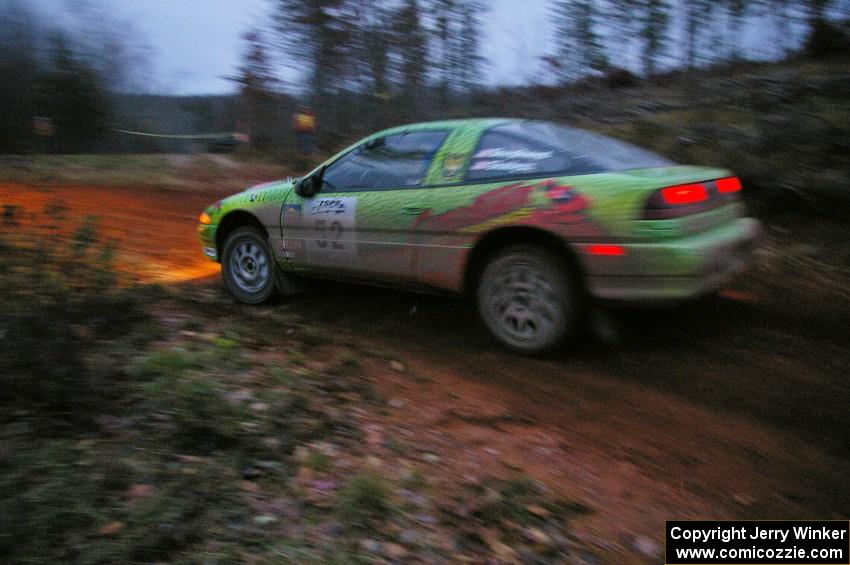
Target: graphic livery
425	235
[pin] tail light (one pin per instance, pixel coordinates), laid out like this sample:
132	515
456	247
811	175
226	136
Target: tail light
694	198
728	186
684	195
606	250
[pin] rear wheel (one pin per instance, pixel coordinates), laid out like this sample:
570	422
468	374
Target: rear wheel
248	266
528	299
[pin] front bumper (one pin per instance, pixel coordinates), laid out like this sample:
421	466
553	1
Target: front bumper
206	233
676	269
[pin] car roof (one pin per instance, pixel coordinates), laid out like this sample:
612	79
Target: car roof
474	123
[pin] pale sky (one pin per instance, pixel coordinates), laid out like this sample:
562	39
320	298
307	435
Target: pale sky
196	44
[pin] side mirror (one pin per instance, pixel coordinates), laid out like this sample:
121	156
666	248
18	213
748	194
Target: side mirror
308	186
376	143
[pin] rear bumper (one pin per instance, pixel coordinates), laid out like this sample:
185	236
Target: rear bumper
677	269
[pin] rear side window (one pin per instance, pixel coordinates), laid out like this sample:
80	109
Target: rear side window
536	149
394	161
507	153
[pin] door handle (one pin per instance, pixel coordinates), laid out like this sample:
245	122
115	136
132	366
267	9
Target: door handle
412	211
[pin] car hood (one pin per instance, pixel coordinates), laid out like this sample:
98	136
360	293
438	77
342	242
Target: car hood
276	184
249	198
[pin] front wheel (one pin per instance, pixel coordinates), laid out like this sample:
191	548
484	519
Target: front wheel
528	299
248	267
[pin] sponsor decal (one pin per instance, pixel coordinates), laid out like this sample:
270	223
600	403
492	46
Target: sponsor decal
506	154
290	214
331	223
331	206
453	164
504	166
511	161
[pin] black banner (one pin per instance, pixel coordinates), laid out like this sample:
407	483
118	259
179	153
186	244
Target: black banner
758	543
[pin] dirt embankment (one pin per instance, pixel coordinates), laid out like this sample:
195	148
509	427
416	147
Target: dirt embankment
154	228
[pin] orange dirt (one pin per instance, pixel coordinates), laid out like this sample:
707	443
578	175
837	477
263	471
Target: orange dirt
733	409
155	227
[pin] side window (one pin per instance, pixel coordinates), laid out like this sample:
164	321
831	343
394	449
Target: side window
394	161
507	154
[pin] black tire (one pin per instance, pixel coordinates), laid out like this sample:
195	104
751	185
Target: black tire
528	298
248	266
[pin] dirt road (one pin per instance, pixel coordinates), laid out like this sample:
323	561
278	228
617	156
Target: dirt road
154	227
734	408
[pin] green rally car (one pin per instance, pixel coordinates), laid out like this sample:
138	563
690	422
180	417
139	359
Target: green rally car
532	219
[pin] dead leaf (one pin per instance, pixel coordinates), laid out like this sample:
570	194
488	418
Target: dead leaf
138	491
538	511
111	528
249	486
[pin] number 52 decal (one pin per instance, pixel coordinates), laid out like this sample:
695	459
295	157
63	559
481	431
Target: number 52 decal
333	223
330	233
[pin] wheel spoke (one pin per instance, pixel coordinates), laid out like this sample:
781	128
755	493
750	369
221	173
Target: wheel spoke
523	302
249	267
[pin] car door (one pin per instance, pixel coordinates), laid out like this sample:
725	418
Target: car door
363	221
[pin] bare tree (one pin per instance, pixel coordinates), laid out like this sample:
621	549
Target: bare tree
258	92
579	45
455	33
410	46
317	37
656	22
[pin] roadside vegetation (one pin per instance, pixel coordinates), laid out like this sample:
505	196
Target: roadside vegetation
139	424
174	172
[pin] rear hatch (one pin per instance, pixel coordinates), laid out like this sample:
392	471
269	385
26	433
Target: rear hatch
671	201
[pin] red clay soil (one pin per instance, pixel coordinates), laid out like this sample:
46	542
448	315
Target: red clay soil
662	427
731	409
155	227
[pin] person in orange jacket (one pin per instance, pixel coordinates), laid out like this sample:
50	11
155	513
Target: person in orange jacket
304	125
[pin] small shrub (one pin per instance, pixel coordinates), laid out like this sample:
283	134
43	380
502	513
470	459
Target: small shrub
318	461
280	376
620	78
414	480
297	357
350	361
162	363
192	325
225	344
199	418
61	493
363	500
61	299
311	338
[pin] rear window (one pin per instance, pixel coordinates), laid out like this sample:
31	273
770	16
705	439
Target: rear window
528	149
